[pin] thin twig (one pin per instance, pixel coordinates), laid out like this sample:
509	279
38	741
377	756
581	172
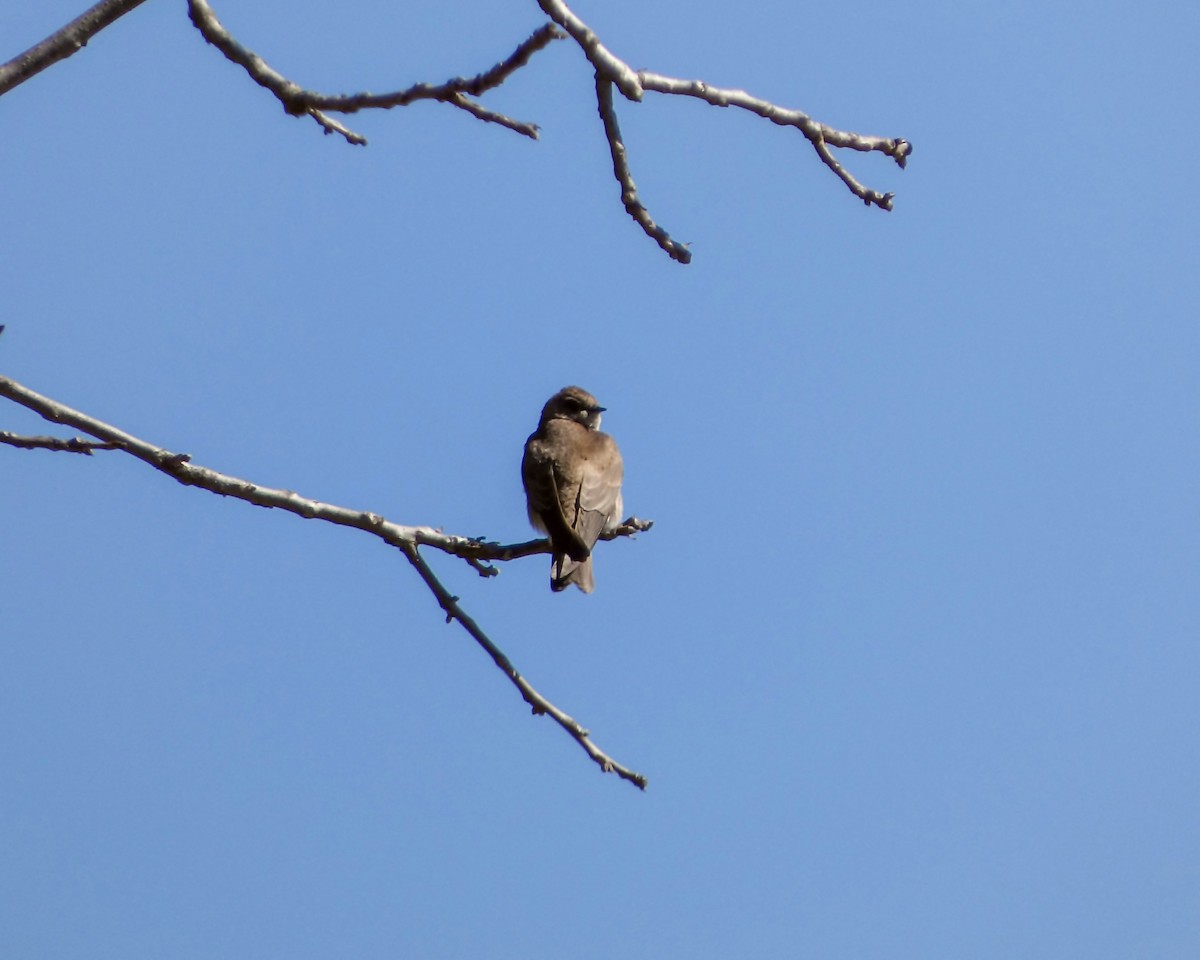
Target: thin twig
629	194
539	704
477	109
72	445
298	101
406	538
329	125
477	551
818	134
63	42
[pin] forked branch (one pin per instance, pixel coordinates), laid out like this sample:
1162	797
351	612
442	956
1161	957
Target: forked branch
611	71
300	102
407	539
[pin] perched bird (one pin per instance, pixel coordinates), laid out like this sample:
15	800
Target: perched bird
572	476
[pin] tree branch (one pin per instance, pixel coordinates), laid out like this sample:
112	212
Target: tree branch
460	92
608	66
73	445
407	539
63	43
538	703
629	194
818	134
300	102
611	70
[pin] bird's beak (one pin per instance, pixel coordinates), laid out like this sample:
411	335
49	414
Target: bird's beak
599	409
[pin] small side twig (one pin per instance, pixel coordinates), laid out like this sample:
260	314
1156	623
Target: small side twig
298	101
539	704
629	194
818	134
480	553
477	109
407	539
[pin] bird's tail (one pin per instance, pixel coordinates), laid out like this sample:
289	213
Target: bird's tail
564	571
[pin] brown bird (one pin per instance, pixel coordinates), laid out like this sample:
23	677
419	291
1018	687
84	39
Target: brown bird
572	474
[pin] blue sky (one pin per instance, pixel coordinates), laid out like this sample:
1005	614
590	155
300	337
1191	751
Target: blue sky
910	655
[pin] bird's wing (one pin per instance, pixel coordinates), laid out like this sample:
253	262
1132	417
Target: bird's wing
545	508
598	503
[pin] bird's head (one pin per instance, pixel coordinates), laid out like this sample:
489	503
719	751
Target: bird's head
573	403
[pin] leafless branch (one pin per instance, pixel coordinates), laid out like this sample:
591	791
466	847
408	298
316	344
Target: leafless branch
476	109
536	701
300	102
63	43
407	539
818	134
489	550
611	70
72	445
629	194
608	66
461	92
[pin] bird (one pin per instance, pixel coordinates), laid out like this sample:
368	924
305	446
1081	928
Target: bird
572	477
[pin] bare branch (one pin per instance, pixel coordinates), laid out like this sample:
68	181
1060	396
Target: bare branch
179	466
477	109
300	102
407	539
611	70
73	445
818	134
608	66
461	92
476	551
63	43
629	195
536	701
329	125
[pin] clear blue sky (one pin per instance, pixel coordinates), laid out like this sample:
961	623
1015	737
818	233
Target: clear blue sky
910	656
